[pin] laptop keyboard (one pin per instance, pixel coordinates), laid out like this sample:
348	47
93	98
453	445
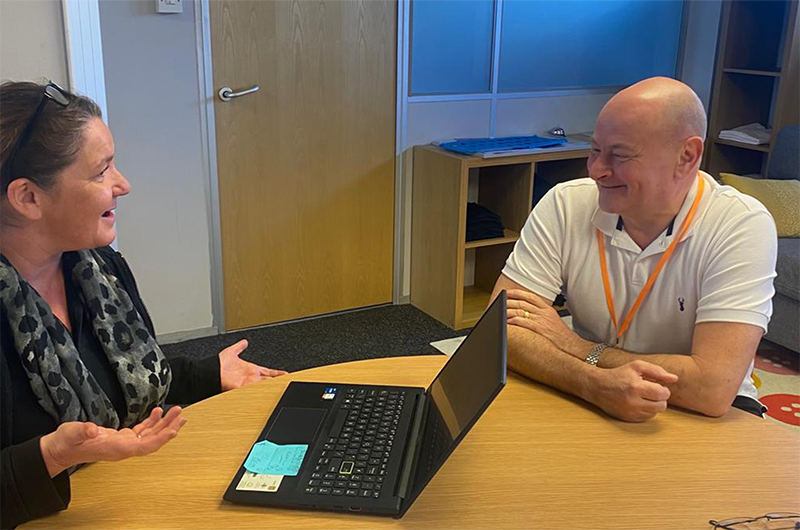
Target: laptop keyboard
353	461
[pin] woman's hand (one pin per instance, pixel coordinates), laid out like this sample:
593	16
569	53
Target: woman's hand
235	372
78	442
530	311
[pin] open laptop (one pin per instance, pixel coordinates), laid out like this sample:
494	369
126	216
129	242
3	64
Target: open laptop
373	449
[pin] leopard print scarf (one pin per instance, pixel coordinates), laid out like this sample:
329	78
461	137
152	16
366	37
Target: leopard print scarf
62	384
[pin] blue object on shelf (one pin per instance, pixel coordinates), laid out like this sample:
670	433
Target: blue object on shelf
470	146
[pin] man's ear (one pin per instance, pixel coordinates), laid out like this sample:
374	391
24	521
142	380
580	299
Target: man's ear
690	156
25	199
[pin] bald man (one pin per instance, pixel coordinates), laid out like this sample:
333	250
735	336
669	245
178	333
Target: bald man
668	275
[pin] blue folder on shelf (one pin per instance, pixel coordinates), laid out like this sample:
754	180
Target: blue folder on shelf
474	146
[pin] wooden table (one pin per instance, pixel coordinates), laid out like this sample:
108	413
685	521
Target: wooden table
536	459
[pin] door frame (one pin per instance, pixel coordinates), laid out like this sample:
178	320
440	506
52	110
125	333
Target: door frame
84	48
208	137
401	193
82	34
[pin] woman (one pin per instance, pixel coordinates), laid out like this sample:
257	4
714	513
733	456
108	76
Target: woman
83	378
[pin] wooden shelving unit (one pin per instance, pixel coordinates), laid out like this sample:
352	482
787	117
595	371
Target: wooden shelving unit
510	237
755	80
741	145
439	220
751	72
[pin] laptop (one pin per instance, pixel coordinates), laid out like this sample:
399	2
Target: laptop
372	449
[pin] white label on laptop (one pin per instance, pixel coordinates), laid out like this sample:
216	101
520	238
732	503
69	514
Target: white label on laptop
255	482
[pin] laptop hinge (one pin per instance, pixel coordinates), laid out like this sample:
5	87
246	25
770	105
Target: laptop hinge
415	436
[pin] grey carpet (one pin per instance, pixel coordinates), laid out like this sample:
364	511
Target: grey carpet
387	331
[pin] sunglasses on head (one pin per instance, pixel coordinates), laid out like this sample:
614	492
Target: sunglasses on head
51	92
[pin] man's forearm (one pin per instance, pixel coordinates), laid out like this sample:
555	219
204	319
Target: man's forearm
632	393
537	358
696	388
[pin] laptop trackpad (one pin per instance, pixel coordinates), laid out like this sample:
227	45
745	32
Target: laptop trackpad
295	425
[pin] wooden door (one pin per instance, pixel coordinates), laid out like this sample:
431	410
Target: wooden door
306	164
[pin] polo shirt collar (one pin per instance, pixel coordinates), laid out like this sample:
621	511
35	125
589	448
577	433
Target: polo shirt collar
611	224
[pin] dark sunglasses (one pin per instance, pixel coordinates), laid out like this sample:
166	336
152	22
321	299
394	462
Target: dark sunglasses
51	92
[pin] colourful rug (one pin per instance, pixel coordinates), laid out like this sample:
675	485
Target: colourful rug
777	378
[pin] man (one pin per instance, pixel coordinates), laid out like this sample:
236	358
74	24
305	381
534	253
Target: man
676	310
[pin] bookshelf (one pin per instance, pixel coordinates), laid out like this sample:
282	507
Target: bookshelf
439	218
755	80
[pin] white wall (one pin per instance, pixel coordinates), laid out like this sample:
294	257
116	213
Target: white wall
154	111
32	41
537	115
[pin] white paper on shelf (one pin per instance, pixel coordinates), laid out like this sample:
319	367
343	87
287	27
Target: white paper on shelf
752	133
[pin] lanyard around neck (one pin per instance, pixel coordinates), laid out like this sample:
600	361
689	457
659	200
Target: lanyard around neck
654	275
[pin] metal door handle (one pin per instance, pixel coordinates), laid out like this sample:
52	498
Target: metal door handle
227	94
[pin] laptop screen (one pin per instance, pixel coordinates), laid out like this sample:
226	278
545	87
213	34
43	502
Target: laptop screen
462	390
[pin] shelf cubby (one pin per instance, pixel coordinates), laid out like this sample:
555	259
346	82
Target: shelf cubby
443	283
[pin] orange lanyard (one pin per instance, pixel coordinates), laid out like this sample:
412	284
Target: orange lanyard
649	285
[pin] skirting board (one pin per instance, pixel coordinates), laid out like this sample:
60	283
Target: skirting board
180	336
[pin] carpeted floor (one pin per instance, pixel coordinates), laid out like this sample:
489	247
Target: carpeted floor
387	331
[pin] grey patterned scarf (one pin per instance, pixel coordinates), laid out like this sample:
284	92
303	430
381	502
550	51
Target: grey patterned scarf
62	384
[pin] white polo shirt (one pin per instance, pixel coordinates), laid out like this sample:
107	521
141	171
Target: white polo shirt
721	272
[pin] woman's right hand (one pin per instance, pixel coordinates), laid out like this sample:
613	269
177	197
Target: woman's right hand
77	442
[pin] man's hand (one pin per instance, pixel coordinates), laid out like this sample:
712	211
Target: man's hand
77	442
532	312
632	392
235	372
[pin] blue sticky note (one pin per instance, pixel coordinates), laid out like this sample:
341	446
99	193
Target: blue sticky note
267	458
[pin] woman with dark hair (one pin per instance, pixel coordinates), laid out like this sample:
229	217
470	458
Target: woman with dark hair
82	378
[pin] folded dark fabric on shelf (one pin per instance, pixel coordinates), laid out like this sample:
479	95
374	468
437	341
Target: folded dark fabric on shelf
482	223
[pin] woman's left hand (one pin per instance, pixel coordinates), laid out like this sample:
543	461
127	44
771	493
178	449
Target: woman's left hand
530	311
235	372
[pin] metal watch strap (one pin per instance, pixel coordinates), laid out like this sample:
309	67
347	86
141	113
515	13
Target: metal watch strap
595	352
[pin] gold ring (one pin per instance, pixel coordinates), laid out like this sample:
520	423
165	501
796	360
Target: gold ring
526	314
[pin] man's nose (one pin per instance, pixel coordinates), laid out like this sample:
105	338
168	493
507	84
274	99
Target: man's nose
597	167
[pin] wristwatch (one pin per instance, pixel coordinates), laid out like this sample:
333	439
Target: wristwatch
595	352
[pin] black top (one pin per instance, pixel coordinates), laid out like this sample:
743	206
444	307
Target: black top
28	492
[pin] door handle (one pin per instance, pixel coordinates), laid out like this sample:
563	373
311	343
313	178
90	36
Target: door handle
227	94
